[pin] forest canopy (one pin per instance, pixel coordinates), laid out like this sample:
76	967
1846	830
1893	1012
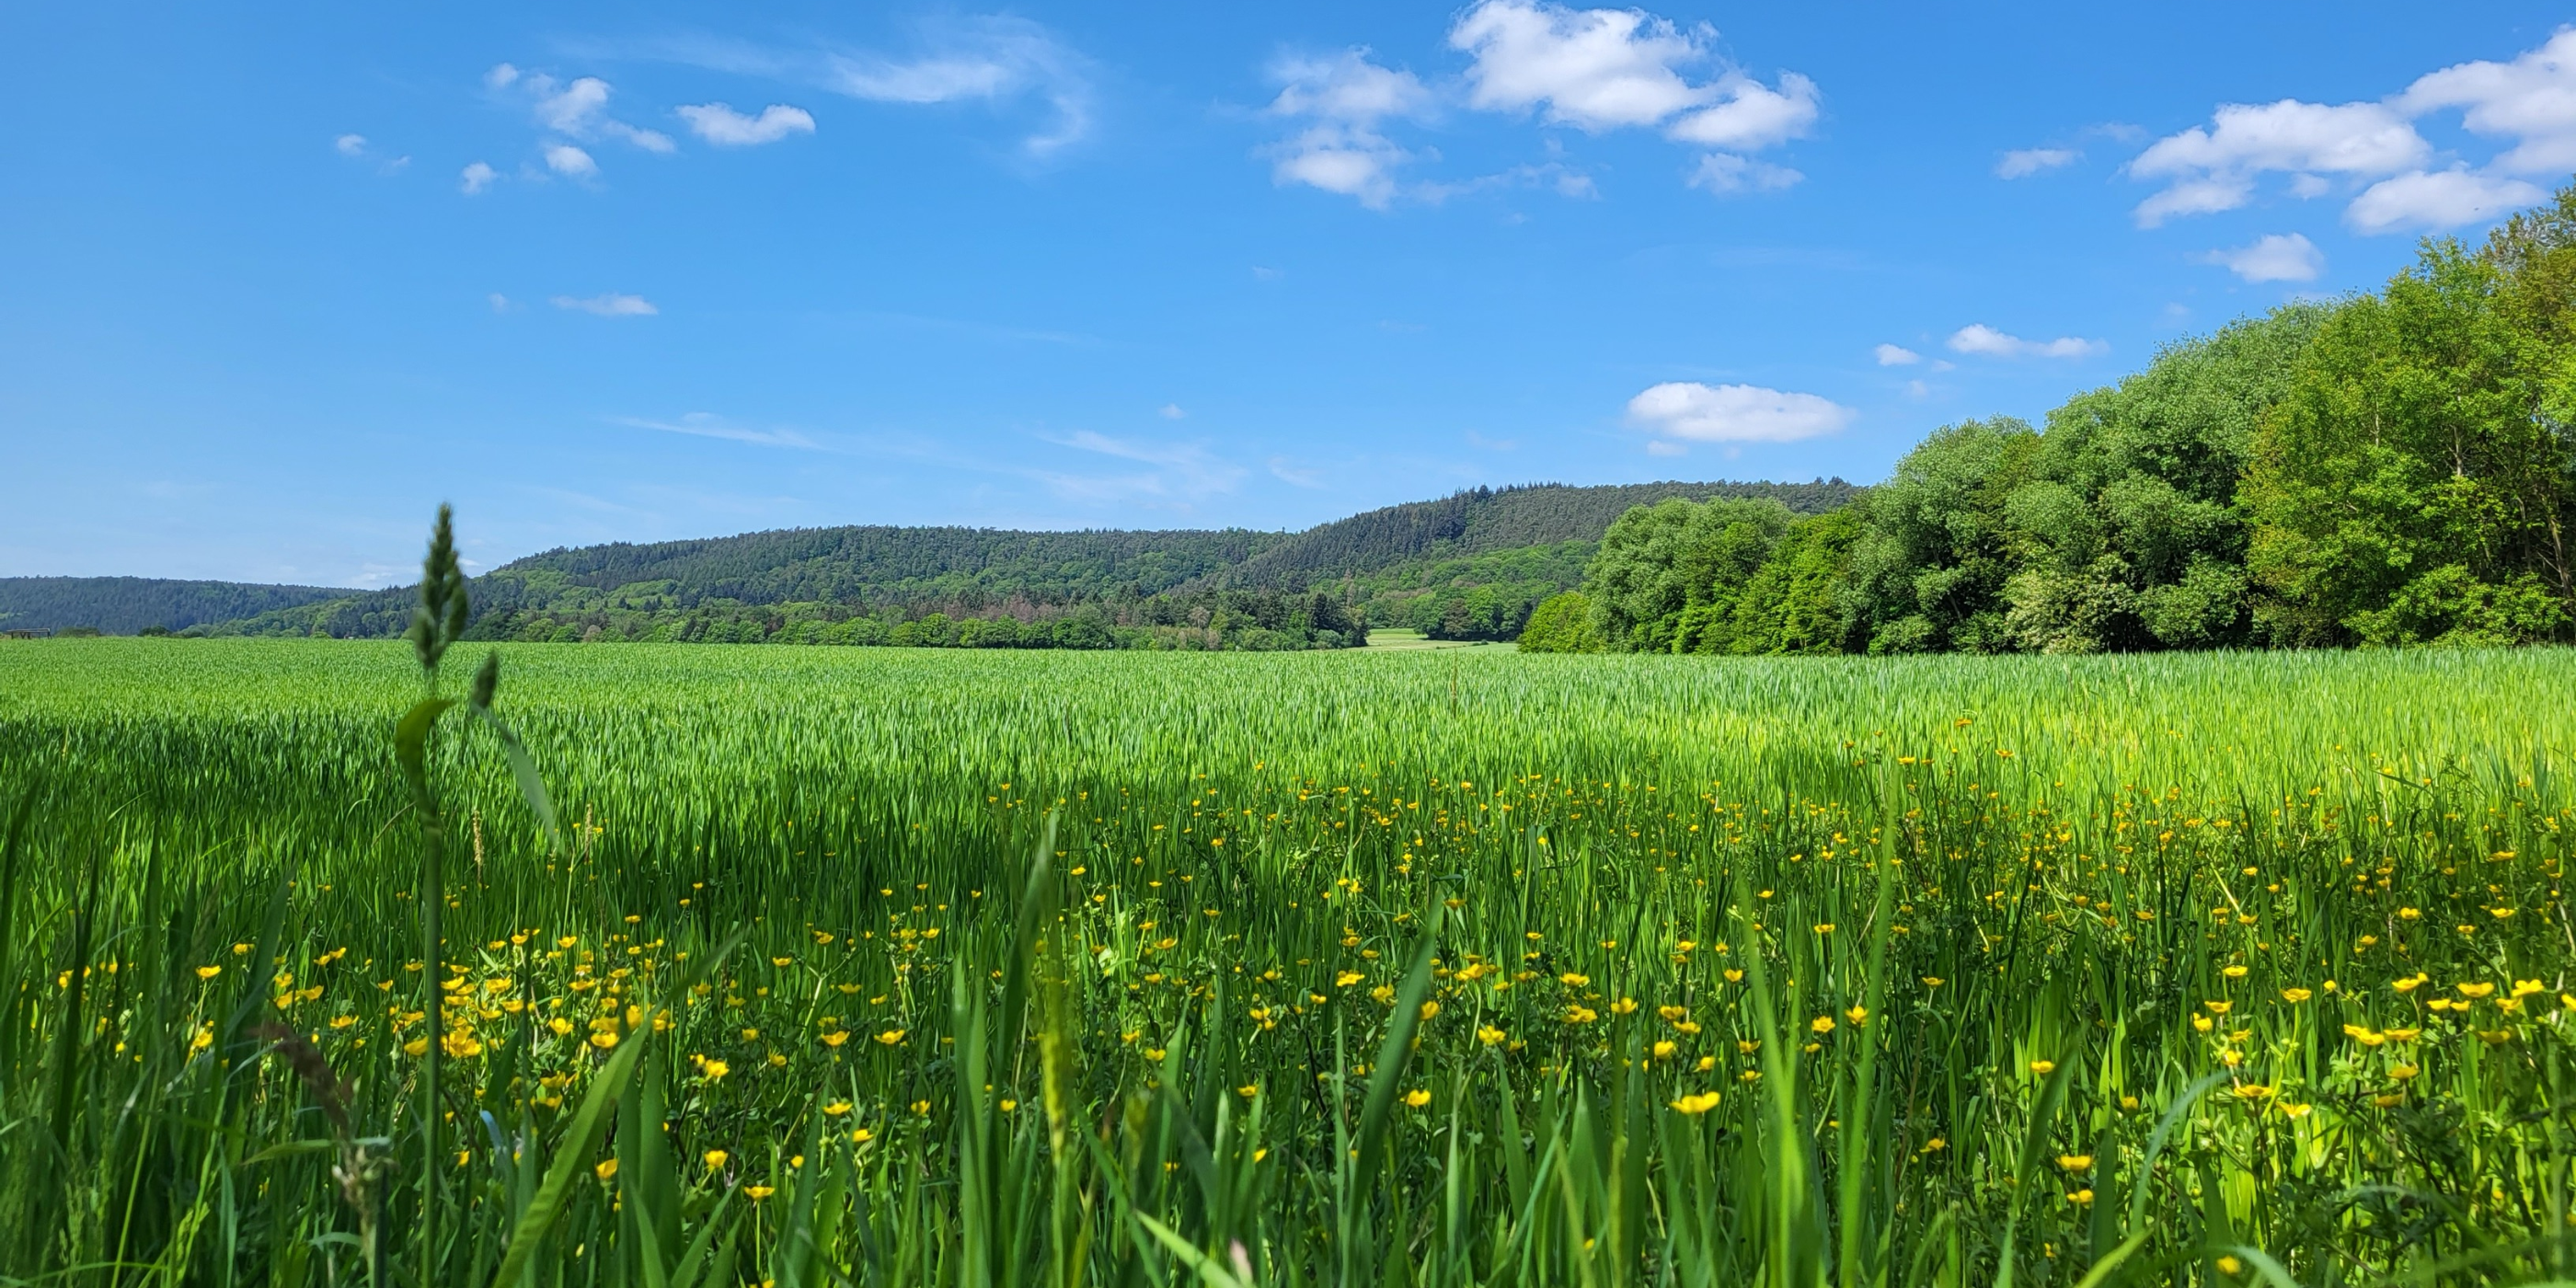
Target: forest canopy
2395	468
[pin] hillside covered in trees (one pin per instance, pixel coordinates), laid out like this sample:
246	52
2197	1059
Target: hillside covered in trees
132	605
2393	469
1470	565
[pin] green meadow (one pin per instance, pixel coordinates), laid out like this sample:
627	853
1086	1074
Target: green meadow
1386	967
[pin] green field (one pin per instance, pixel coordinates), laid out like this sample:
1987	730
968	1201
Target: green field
1369	967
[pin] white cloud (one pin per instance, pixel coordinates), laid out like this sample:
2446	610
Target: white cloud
1604	69
1985	341
708	425
2024	162
1347	98
1665	447
2437	199
610	305
2531	99
1172	411
1751	115
351	145
1726	174
1347	87
476	177
568	115
719	124
2277	258
2212	169
1735	413
1595	69
1894	355
995	60
500	303
565	159
572	109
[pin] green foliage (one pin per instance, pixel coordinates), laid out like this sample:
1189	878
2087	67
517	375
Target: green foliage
1928	575
1483	596
2130	535
2416	484
1793	603
1667	575
1487	519
1562	623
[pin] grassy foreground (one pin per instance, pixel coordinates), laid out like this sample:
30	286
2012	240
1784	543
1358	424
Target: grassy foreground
1362	968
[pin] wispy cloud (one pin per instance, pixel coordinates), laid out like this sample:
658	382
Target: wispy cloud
1014	67
2021	163
1895	355
708	425
1985	341
476	177
609	305
2277	258
721	125
1179	474
567	115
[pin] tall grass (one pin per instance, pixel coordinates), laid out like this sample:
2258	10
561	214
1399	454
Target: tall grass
906	967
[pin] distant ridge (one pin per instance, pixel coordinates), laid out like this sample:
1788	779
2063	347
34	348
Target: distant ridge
1484	519
128	605
954	569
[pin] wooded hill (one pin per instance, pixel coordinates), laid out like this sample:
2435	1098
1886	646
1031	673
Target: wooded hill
127	605
1467	565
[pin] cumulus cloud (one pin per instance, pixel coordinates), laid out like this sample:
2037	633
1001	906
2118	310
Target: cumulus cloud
476	177
2529	100
2277	258
1750	115
1895	355
2024	162
1595	69
994	60
1735	413
719	124
571	162
608	305
2437	199
2214	168
1607	69
1344	101
1985	341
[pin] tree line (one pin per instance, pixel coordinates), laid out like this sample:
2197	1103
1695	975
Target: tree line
2396	468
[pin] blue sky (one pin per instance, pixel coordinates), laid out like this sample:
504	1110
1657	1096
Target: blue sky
275	282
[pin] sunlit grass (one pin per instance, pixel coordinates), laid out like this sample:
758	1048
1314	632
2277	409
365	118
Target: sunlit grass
1058	968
